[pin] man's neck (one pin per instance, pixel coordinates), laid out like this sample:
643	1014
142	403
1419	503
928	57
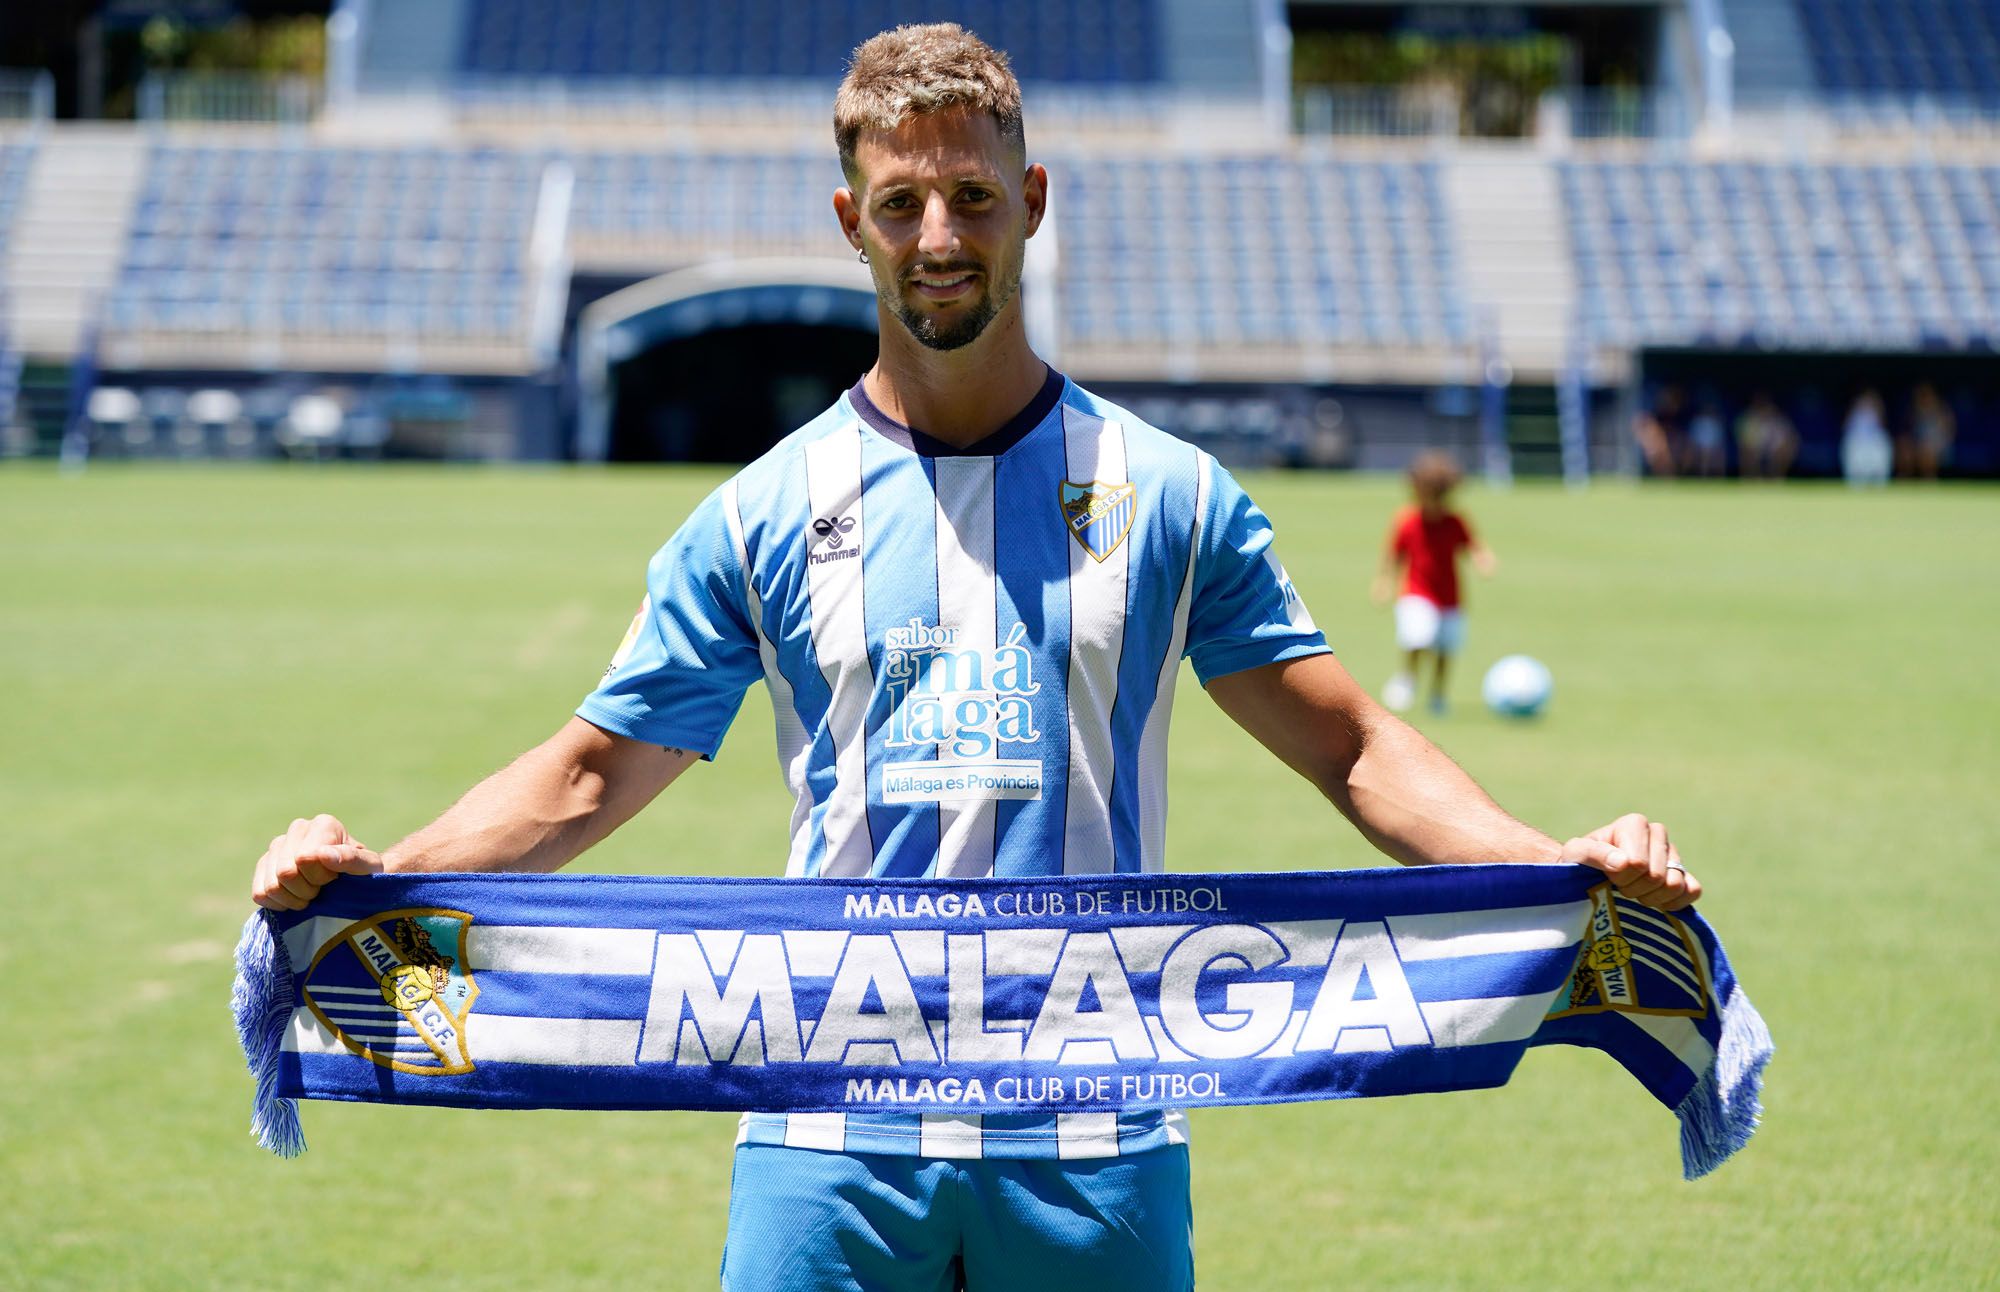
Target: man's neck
958	396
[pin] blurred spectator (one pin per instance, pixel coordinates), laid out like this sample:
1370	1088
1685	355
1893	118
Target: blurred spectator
1932	429
1707	455
1865	451
1766	441
1662	432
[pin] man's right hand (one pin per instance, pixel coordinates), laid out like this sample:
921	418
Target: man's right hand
305	859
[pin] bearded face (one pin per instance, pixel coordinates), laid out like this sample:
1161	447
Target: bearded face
946	306
944	228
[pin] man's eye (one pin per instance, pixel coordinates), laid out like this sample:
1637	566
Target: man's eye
900	202
973	195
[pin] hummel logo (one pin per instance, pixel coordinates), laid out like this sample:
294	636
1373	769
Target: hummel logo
833	530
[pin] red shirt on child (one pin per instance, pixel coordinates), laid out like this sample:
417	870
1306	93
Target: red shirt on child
1430	549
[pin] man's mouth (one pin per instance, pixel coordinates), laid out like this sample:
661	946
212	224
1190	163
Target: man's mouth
943	284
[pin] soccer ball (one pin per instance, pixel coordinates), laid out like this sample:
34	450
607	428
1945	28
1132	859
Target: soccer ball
1517	687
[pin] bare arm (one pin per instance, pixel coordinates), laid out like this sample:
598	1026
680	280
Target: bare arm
536	814
1384	586
547	806
1409	799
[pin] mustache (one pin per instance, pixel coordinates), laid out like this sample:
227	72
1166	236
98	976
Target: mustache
943	267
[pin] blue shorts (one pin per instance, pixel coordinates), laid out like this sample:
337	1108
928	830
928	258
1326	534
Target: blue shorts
805	1220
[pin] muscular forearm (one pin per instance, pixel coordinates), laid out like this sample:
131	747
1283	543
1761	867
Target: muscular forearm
1400	790
1410	800
534	814
1420	808
544	808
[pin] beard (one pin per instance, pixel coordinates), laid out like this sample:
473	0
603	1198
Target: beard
965	327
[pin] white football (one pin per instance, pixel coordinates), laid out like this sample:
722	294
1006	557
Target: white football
1518	687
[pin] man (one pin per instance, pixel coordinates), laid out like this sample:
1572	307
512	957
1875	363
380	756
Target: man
968	564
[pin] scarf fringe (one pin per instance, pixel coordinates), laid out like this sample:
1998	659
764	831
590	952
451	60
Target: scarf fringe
262	1002
1720	1114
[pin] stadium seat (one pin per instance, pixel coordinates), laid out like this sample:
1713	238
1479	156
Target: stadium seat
1844	255
608	41
298	239
1886	50
1257	250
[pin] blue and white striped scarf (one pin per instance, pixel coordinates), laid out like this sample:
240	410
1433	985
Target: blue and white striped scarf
1077	994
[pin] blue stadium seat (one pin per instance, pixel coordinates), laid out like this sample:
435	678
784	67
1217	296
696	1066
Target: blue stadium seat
1869	255
1945	49
1083	42
304	239
1257	250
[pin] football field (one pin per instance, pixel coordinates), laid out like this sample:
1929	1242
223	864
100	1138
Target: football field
1799	681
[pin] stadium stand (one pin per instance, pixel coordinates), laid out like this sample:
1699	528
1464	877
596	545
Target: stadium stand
1670	251
1270	285
1064	41
308	241
1204	251
275	243
664	207
1946	49
1257	250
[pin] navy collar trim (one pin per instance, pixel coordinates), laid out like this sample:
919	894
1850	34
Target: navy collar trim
1006	437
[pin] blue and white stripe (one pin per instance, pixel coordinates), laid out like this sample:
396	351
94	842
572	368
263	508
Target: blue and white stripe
589	991
978	545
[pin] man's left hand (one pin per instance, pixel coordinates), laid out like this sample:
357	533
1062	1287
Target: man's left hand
1640	860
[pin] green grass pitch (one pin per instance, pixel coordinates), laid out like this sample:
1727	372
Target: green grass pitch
1799	681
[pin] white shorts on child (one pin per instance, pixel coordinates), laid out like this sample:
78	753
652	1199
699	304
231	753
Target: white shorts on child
1422	625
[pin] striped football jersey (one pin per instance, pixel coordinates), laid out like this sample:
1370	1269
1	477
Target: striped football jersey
971	656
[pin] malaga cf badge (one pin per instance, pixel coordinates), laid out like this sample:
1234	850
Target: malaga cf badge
395	988
1099	515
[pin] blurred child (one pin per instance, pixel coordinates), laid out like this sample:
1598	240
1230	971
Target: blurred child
1425	539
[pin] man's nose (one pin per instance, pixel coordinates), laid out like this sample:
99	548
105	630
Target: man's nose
938	240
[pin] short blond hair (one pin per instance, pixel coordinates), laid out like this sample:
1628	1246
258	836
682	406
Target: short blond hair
914	70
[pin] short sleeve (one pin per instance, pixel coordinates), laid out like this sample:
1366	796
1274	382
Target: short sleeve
679	676
1245	611
1462	535
1403	534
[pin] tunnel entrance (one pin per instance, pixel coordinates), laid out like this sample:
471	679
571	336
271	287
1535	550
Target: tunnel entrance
728	394
717	363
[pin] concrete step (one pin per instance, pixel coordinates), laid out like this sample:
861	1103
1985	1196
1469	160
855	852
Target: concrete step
68	237
1512	253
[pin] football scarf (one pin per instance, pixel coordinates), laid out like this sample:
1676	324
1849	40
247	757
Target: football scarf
1076	994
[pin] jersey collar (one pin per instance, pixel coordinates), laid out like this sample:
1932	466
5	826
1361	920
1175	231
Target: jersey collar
992	446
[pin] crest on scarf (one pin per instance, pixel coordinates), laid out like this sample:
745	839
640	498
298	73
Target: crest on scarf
1099	515
394	989
1634	960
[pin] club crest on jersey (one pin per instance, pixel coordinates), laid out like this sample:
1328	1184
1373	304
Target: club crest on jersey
1099	515
1634	961
395	989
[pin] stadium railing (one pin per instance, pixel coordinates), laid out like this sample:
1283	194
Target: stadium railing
1375	111
229	96
1619	113
1441	112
